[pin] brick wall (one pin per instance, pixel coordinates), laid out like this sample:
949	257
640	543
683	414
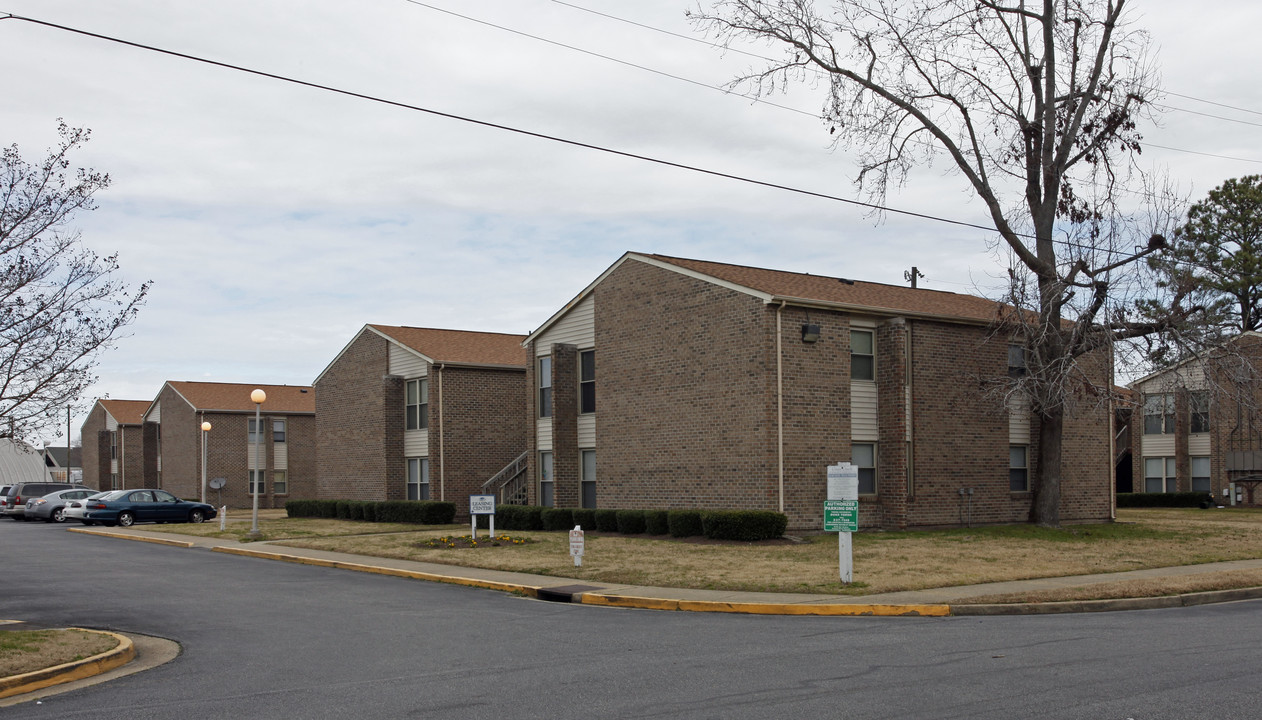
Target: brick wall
566	462
151	446
359	444
131	448
89	438
180	446
481	418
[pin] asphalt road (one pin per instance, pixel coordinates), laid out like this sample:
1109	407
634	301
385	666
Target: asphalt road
263	639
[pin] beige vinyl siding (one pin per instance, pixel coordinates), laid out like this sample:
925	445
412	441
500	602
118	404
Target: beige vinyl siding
543	432
863	420
578	327
253	452
154	414
110	423
1158	446
415	443
1198	444
280	456
587	431
1018	419
405	363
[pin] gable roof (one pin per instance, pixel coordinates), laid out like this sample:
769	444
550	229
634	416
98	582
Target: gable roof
460	347
805	289
126	412
1188	362
235	397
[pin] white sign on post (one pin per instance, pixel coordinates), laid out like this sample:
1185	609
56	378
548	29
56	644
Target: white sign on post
843	485
482	505
577	545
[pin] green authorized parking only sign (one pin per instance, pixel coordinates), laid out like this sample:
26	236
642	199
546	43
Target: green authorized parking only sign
841	516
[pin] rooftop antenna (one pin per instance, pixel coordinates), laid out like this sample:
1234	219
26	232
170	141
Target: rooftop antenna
911	275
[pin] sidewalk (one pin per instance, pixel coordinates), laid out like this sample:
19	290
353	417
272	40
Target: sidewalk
935	602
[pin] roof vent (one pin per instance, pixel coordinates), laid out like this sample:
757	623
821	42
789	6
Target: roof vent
302	390
844	280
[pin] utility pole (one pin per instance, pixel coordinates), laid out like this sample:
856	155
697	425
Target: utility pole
912	274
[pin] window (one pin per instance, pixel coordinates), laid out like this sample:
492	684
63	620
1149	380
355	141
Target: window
1016	361
1200	475
547	496
862	363
258	482
587	381
252	435
1159	414
417	414
589	478
1018	468
418	478
864	456
163	496
545	387
280	482
1198	409
114	445
1159	475
278	431
114	481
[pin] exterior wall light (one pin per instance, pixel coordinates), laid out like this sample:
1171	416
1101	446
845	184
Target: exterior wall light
810	333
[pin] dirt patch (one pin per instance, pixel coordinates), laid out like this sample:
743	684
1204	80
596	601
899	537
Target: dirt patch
23	651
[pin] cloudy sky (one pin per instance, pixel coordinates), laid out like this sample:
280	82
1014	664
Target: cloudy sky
276	220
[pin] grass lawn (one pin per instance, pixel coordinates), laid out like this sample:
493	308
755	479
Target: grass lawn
884	562
23	651
276	525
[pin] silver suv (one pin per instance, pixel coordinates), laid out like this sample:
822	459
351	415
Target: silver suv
13	502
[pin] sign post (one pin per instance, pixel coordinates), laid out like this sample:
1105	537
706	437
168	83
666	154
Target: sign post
841	514
481	505
577	545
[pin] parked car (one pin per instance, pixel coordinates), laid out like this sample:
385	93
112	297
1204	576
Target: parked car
128	507
52	507
77	509
13	502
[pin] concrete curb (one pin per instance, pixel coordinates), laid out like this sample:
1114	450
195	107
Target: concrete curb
1117	604
124	653
528	590
836	609
138	538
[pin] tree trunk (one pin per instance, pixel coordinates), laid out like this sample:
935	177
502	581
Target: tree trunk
1046	507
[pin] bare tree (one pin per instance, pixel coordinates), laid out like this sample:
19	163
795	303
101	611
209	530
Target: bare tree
60	303
1037	103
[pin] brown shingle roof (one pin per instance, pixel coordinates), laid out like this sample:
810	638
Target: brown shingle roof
821	288
460	346
236	396
126	412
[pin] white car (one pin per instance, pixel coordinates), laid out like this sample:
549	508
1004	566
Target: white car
76	509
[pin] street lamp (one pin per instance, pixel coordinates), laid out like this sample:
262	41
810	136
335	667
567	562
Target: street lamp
258	397
205	429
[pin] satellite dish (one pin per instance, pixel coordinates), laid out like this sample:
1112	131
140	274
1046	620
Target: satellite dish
217	483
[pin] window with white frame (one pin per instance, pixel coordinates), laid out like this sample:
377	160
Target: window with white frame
251	432
417	401
418	478
1016	361
278	431
114	445
1159	475
547	493
545	387
589	478
1159	414
1200	475
1018	468
114	481
1198	412
587	381
258	482
862	358
280	482
863	455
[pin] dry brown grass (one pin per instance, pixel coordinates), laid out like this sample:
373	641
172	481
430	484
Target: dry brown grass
23	651
280	527
1157	587
884	562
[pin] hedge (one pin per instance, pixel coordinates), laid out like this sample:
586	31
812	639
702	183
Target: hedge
746	525
630	522
684	523
655	522
558	519
519	517
419	512
1175	499
585	518
607	520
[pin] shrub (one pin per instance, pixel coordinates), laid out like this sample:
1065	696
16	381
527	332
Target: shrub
607	520
1176	499
357	510
302	508
746	525
585	518
656	522
683	523
418	512
558	519
370	511
630	522
519	517
328	508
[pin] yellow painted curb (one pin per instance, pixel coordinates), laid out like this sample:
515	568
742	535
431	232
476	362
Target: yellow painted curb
836	609
140	538
77	670
528	590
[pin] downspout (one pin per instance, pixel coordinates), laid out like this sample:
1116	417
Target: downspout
442	424
910	420
122	453
779	408
1112	441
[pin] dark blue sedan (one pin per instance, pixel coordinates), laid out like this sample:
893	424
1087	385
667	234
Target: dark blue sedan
128	507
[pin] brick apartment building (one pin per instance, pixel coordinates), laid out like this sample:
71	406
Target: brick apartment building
173	437
419	413
671	383
113	445
1197	426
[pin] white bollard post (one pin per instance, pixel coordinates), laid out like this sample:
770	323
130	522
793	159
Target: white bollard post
223	518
